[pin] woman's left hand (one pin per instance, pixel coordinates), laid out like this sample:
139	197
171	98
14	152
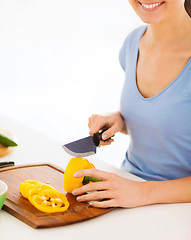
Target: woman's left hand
111	191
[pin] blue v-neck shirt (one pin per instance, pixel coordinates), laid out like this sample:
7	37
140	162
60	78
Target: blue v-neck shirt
160	126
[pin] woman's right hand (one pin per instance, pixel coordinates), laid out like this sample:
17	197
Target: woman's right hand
113	122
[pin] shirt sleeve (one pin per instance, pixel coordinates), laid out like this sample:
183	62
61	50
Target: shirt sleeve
122	56
124	52
129	42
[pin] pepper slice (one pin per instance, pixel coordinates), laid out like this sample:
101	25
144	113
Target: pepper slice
28	184
76	164
43	196
48	200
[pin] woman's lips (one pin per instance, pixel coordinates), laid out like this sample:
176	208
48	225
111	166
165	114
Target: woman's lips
150	6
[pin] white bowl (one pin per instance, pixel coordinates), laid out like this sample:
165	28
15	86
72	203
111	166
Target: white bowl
3	193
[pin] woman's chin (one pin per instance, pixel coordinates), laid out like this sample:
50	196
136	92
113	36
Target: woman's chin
149	21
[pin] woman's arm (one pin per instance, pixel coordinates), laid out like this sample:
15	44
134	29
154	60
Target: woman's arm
171	191
115	191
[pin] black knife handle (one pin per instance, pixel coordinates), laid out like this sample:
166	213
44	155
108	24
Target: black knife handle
97	137
6	164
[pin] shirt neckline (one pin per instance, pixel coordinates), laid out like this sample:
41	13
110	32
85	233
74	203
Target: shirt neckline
166	88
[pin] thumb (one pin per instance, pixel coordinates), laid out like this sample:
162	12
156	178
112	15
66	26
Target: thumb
108	133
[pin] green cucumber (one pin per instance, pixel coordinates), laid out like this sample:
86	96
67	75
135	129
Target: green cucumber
7	142
88	179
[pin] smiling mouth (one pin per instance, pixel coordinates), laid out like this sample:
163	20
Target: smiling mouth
150	6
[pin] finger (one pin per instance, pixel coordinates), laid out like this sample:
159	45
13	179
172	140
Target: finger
104	204
90	121
105	143
110	132
94	196
90	124
90	187
102	175
99	123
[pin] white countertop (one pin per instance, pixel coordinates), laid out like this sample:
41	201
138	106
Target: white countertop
156	222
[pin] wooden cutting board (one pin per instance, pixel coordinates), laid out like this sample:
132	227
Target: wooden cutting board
22	209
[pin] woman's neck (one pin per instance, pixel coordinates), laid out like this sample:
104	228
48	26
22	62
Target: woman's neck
171	32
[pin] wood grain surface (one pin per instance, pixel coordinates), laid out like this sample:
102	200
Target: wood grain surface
22	209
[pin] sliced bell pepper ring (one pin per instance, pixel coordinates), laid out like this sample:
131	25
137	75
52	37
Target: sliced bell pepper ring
43	196
28	184
76	164
38	188
48	200
22	189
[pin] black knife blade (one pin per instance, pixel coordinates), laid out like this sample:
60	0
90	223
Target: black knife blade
83	147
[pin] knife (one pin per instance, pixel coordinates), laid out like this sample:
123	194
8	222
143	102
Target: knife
6	164
84	147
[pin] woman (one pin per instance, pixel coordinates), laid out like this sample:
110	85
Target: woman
155	112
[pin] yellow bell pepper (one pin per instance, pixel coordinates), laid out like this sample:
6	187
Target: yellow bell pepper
76	164
43	196
29	184
49	200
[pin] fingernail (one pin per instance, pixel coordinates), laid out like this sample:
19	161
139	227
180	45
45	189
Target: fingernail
75	174
78	198
74	192
104	136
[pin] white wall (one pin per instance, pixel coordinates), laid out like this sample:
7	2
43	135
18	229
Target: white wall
59	64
